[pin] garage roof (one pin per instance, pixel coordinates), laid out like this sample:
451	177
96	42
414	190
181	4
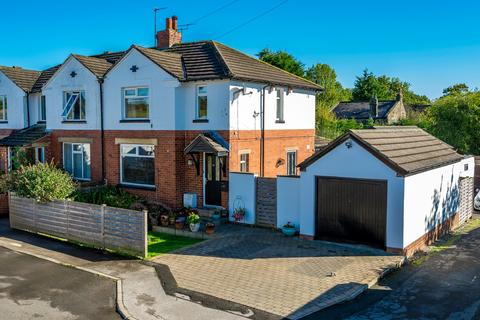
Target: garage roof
407	150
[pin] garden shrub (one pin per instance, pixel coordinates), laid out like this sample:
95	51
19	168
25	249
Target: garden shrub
109	195
44	182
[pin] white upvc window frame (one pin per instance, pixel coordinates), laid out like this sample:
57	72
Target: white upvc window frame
42	108
136	95
199	94
288	164
69	105
40	151
244	163
78	152
4	118
280	105
136	155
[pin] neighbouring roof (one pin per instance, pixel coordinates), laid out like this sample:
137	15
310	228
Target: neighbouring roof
207	143
23	78
211	60
361	110
25	136
321	142
407	150
44	77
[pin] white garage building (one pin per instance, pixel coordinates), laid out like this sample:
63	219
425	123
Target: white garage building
393	187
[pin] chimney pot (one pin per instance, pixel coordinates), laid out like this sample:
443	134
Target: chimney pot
170	36
168	23
174	22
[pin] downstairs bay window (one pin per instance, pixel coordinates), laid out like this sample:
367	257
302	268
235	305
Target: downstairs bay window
76	160
137	165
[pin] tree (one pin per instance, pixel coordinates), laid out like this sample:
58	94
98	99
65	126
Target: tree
333	92
282	60
384	88
456	120
458	88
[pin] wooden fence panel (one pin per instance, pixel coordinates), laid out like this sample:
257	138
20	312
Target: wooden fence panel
266	198
100	226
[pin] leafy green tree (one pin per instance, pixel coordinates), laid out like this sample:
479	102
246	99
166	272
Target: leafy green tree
456	120
459	88
283	60
326	77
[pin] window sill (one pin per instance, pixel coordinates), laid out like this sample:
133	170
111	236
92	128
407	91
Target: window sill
280	121
135	121
41	121
134	186
200	121
74	121
3	121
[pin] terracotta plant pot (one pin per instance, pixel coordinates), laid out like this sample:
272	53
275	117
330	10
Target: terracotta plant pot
179	223
209	228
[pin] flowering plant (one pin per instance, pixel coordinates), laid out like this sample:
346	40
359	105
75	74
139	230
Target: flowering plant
193	218
289	225
239	214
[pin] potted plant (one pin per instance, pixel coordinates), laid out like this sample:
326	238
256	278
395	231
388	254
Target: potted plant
193	221
288	229
164	220
210	228
216	215
239	214
179	223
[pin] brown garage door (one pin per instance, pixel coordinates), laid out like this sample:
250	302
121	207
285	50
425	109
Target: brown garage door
352	210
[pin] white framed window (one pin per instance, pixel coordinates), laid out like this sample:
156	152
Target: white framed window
291	163
279	98
3	108
12	164
202	102
40	155
137	164
76	160
42	110
136	103
73	105
244	163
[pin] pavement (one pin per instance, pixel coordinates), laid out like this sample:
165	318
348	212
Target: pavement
445	286
140	294
35	288
282	277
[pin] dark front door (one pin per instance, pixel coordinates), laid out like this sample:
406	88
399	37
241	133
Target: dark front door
213	180
352	210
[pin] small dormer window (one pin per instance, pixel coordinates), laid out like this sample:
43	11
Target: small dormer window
74	105
3	108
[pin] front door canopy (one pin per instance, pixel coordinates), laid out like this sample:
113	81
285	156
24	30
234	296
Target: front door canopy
204	144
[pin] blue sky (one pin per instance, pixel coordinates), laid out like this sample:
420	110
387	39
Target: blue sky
430	44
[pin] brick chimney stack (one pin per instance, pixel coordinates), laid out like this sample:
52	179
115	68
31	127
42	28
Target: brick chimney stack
170	35
374	107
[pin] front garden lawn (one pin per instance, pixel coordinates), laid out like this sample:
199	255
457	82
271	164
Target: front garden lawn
160	243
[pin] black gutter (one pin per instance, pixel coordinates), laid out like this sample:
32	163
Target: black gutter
102	131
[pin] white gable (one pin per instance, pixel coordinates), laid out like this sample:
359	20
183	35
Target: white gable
16	109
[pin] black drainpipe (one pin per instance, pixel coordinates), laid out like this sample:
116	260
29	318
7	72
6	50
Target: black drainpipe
102	133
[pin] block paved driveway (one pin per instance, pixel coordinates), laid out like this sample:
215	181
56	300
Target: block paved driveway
286	277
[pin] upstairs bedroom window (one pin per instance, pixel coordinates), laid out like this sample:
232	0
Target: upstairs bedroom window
137	165
136	103
76	160
3	108
42	112
280	105
73	105
202	103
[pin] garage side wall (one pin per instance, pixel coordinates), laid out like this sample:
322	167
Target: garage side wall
288	201
354	162
431	198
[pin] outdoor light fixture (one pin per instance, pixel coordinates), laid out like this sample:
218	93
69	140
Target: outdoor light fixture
348	144
190	162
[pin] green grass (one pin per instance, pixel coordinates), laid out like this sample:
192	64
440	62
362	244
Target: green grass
448	242
161	243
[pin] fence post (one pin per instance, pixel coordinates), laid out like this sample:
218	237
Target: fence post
145	233
102	224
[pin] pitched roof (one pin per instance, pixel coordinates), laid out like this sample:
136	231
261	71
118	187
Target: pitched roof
44	77
25	136
23	78
407	150
168	61
361	110
111	57
210	60
97	66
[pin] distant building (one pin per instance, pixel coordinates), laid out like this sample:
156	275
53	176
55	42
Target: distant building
385	112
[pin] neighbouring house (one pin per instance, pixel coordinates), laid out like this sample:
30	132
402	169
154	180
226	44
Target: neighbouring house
174	119
321	142
381	112
397	188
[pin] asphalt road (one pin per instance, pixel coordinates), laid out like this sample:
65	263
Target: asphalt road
32	288
446	286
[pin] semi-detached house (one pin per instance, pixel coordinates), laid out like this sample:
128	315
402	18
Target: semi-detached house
164	121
